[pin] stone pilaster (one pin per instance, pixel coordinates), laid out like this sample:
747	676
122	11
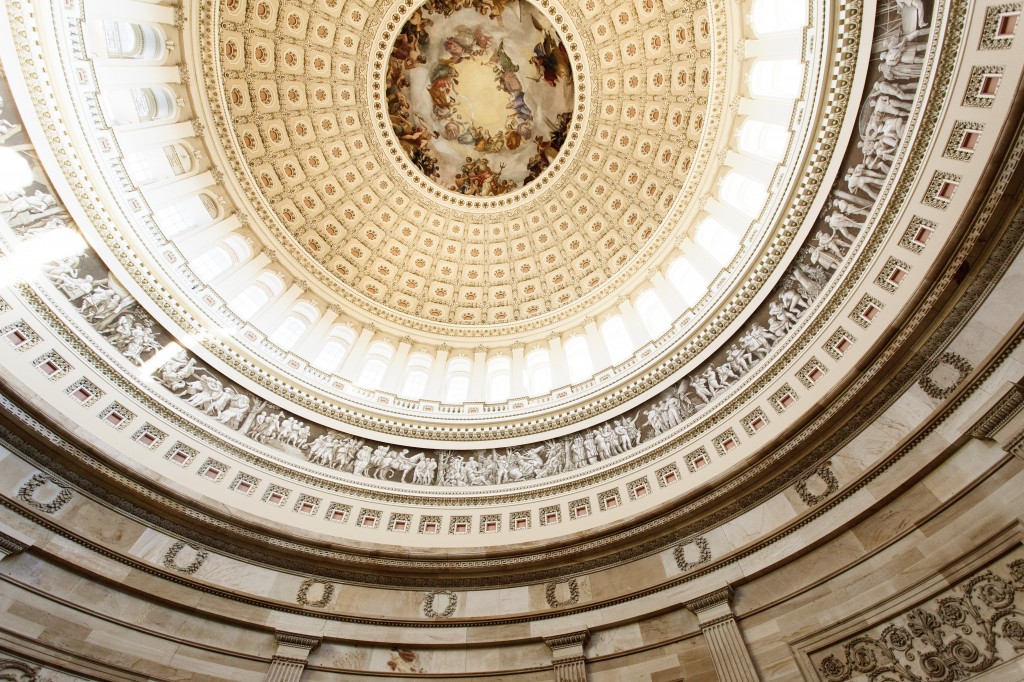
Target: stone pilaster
568	658
722	634
289	660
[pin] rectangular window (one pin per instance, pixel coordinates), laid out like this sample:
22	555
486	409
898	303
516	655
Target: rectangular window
16	337
989	85
1007	25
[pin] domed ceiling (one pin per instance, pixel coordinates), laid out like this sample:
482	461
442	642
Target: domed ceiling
313	133
423	162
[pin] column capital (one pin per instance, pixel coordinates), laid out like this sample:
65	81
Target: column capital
297	640
572	639
567	656
293	649
10	545
711	600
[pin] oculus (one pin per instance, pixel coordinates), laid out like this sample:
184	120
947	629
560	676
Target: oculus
480	94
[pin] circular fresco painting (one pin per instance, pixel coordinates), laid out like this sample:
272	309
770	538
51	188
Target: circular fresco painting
480	93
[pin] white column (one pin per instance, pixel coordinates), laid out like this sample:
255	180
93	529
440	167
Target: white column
478	376
517	382
722	634
435	385
272	315
121	73
731	218
670	298
241	278
757	170
396	370
598	348
155	136
634	326
559	371
353	362
186	187
701	260
779	112
130	10
773	48
310	344
196	240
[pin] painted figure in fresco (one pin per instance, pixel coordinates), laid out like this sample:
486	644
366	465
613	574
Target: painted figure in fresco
550	58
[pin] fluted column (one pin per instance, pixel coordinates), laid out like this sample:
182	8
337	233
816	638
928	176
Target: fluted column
289	660
568	658
722	634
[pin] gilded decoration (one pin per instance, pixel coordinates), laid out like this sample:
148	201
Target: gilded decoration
480	94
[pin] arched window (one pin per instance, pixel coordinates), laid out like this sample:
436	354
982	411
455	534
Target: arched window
777	16
249	301
211	263
187	213
417	374
577	359
256	295
124	40
617	338
716	240
378	357
333	352
456	385
767	140
499	379
745	194
653	313
686	280
775	78
538	371
154	104
301	318
290	331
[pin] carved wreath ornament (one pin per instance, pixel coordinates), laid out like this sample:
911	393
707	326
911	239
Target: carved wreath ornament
976	626
552	598
447	612
303	594
703	547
